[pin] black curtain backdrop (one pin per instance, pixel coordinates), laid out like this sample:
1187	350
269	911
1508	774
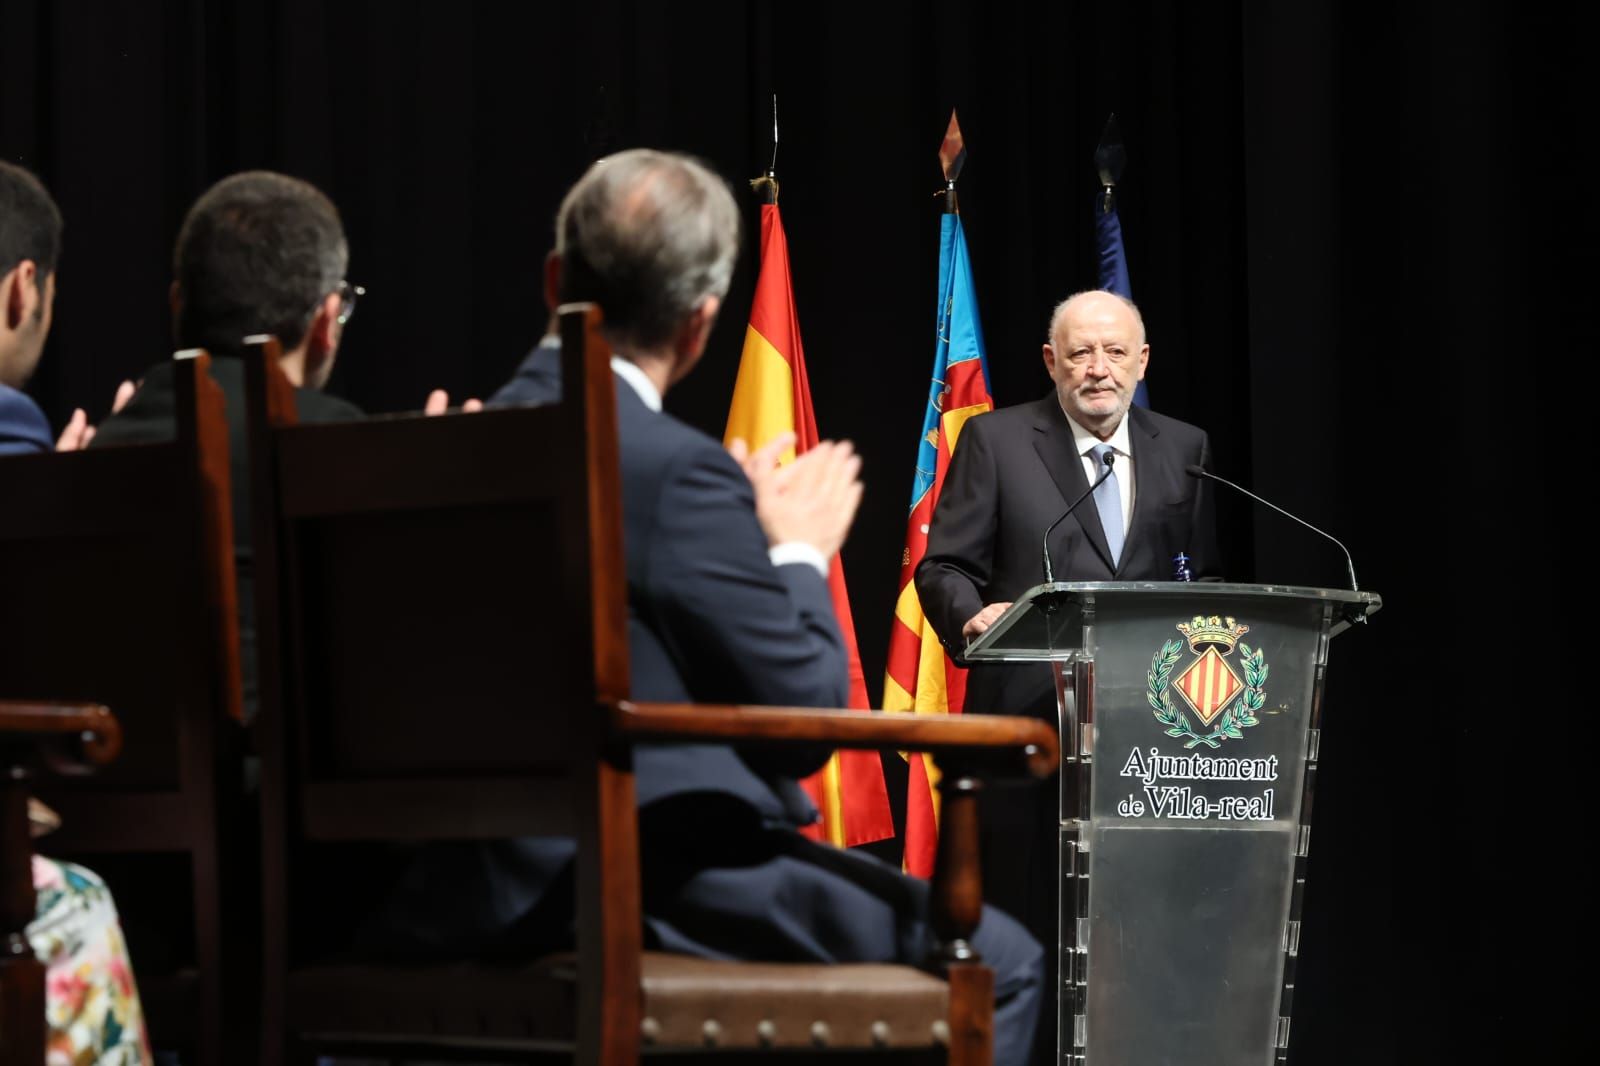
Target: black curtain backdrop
1357	237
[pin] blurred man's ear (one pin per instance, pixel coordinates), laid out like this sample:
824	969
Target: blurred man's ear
552	282
322	341
22	293
690	342
697	331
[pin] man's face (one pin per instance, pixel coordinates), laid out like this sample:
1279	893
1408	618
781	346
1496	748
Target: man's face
1096	359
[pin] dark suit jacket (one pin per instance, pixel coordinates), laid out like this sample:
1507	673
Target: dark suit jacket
711	620
24	430
149	418
1014	471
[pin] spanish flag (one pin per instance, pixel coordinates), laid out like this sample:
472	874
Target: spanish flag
770	396
920	677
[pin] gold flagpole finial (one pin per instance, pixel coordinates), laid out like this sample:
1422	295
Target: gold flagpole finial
1109	160
952	155
767	184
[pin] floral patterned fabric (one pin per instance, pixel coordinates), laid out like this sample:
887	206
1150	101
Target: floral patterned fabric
91	1001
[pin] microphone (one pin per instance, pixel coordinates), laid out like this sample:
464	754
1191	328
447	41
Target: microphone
1109	458
1194	470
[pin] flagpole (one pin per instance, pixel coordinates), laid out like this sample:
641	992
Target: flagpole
1110	159
766	186
771	395
919	675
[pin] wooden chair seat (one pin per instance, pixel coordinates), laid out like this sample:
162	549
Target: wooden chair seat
688	1003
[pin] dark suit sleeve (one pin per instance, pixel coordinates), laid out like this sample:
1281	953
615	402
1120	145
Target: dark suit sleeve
1203	522
746	631
537	380
956	568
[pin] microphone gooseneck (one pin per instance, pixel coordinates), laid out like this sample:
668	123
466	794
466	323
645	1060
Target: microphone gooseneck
1195	470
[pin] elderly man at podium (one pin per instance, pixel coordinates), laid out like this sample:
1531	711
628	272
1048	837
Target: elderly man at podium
1015	472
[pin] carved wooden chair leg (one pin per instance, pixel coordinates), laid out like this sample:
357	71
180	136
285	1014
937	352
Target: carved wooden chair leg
957	906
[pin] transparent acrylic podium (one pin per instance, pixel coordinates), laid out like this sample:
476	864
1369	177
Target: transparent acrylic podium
1190	721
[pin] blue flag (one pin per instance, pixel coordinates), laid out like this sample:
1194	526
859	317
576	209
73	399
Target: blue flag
1113	275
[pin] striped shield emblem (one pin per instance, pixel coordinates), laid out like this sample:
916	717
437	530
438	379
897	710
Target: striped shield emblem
1208	685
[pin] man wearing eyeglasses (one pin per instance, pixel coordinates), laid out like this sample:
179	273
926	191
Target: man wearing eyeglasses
259	252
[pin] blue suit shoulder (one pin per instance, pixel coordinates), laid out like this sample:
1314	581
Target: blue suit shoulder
24	429
659	443
651	443
537	379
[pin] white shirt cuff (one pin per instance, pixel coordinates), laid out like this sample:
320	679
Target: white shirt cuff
798	551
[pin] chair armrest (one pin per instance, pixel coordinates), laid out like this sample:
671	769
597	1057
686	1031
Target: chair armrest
1030	738
70	737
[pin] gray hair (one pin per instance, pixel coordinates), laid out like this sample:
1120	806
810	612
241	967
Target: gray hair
1061	310
647	235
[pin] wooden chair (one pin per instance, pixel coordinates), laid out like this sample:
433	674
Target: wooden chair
64	738
443	630
117	586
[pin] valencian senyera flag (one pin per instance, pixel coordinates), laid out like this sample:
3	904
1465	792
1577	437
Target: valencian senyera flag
920	677
770	396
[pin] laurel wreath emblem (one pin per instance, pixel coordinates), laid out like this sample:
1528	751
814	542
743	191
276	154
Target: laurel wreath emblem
1240	715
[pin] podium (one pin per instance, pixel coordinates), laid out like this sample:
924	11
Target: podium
1190	717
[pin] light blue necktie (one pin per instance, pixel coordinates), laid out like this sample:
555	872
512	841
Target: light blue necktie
1108	498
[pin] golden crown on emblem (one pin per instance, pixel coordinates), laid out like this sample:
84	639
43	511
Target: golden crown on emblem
1224	633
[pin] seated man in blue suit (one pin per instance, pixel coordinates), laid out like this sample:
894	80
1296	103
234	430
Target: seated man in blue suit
29	248
30	242
728	602
30	245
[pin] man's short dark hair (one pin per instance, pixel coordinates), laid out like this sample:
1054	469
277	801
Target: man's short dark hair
256	254
647	235
30	222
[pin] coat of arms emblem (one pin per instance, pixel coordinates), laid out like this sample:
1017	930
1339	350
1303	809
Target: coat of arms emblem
1208	687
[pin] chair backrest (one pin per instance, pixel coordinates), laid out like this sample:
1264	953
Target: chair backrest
117	586
425	604
441	614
